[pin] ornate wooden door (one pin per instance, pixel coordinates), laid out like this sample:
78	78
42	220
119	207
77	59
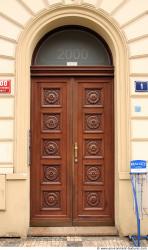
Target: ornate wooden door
93	169
72	174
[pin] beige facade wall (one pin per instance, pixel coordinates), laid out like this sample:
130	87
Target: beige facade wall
123	24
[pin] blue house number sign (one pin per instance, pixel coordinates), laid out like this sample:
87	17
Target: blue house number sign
141	86
138	166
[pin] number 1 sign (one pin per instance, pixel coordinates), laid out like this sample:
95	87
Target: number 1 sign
5	86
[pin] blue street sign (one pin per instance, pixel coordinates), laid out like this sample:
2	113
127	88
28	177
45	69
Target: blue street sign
138	166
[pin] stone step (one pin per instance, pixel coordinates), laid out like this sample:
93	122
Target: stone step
72	231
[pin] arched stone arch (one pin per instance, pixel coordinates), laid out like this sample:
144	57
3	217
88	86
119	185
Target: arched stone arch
101	23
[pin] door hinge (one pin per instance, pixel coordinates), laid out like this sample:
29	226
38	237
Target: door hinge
29	148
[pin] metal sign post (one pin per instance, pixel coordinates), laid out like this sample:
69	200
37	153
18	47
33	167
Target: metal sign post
139	181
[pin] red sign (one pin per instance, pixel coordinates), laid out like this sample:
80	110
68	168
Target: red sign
5	86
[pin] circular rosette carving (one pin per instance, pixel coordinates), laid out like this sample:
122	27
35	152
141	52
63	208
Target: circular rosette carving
51	199
93	199
93	122
51	148
92	148
51	173
93	97
93	173
51	96
51	122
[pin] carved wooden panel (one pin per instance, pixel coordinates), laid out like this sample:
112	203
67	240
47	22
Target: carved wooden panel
93	200
51	122
51	200
51	96
93	148
51	147
93	96
93	122
51	173
93	174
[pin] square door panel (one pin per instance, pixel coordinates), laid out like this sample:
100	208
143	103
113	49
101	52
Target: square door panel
51	200
51	148
93	148
93	174
94	97
93	200
51	174
51	122
51	97
93	122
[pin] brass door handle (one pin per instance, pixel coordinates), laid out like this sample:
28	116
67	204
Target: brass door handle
76	152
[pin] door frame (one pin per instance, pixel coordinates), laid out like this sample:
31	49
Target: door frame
84	71
102	23
104	71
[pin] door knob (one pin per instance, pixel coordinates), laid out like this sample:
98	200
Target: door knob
76	152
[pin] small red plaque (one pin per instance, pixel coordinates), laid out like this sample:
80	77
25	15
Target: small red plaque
5	86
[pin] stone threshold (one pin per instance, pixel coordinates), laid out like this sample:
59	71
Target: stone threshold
72	231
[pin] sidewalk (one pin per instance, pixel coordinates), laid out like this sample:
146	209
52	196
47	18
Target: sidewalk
69	242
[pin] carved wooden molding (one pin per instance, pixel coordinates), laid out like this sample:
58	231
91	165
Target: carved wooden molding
72	71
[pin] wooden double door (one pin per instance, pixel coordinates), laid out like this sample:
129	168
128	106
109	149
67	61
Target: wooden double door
72	170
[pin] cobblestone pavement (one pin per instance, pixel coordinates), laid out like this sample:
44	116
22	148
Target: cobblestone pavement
69	242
